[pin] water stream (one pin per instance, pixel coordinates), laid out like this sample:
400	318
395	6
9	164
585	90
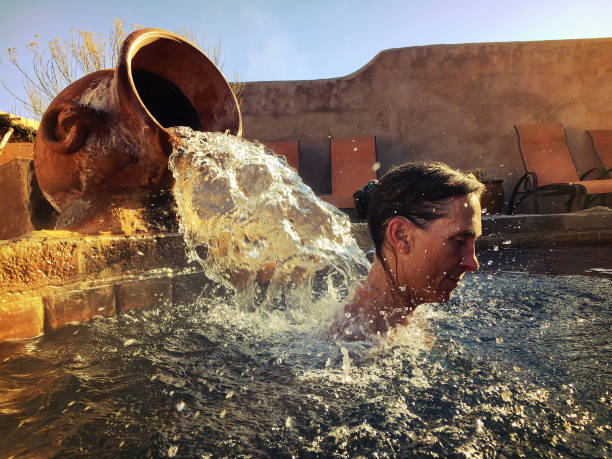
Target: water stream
256	228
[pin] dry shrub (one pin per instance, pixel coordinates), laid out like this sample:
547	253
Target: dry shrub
60	63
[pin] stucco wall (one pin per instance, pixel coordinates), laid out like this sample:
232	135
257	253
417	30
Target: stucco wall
454	103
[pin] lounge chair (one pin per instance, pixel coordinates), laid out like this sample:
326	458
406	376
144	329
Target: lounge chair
550	168
289	149
602	144
352	166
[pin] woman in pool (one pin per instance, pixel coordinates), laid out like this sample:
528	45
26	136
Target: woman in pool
424	219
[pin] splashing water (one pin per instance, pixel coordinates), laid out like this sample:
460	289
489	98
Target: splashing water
255	226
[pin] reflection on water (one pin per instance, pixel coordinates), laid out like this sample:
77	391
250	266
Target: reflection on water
513	365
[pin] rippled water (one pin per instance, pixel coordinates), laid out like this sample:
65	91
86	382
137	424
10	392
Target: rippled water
515	364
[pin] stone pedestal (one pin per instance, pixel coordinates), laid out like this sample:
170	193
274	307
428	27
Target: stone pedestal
22	205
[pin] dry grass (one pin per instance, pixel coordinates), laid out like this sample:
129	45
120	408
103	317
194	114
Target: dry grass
61	62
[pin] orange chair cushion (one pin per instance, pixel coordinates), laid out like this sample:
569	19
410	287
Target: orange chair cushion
545	152
289	149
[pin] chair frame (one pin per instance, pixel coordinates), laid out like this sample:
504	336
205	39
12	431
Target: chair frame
530	187
607	168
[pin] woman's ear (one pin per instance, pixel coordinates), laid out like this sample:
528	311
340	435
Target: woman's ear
399	234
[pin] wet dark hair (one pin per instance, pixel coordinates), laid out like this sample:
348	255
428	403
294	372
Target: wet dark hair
414	190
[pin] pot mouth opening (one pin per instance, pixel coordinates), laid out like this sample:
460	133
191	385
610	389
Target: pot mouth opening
175	84
168	105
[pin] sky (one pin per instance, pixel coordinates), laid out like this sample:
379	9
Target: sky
265	40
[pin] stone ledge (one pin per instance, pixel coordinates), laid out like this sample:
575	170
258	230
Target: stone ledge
50	279
46	258
69	306
21	319
143	293
545	239
591	226
30	313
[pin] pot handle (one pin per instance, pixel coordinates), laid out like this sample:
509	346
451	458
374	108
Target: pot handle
64	128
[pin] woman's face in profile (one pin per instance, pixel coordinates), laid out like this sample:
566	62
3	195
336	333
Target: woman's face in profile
442	252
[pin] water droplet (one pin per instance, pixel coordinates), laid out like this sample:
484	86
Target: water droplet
180	406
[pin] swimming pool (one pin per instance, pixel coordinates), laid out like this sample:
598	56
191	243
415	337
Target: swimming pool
517	363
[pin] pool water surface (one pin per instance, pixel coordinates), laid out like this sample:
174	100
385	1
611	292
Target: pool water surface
516	364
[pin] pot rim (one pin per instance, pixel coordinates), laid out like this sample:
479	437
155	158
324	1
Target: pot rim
128	94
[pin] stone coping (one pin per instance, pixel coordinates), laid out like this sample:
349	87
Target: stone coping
591	226
52	258
49	279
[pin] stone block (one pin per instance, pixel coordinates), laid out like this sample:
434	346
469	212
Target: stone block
65	307
23	206
605	236
170	250
144	293
563	239
587	237
23	150
112	255
187	286
37	261
23	318
107	256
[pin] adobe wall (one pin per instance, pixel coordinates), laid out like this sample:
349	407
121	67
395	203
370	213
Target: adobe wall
454	103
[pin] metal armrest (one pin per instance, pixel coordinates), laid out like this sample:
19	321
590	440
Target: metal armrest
529	181
590	171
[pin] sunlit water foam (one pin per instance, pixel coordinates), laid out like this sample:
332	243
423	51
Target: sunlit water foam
256	228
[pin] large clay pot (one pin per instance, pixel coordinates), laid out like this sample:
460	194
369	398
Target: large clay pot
106	133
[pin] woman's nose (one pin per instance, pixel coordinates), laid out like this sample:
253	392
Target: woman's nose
469	260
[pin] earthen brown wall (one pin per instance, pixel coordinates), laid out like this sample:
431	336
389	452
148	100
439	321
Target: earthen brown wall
453	103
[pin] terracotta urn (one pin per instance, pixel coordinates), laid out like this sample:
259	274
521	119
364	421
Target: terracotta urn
104	139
